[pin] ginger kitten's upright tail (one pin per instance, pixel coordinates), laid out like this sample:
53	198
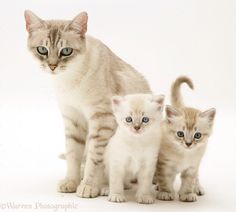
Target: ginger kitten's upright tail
176	97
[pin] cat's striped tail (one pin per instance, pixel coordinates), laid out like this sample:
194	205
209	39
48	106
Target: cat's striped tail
176	97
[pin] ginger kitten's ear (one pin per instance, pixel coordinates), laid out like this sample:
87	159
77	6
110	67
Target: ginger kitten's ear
159	99
116	101
32	21
171	113
79	24
209	114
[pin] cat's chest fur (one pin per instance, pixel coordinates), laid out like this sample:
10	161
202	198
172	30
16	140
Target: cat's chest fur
188	159
70	90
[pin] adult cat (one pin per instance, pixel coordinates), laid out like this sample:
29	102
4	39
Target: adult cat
86	74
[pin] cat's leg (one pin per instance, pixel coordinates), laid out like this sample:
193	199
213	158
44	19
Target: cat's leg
116	183
198	189
186	192
144	193
75	131
102	126
165	178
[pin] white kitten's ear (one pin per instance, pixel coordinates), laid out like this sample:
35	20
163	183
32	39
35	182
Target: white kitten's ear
116	101
209	114
159	99
171	113
32	21
79	23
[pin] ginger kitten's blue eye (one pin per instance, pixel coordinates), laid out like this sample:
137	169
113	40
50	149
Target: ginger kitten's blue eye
145	120
180	134
128	119
197	135
66	51
42	50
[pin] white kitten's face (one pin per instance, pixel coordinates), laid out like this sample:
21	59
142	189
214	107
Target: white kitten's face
189	128
138	113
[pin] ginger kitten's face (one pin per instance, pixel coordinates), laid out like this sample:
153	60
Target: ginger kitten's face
189	127
137	113
56	44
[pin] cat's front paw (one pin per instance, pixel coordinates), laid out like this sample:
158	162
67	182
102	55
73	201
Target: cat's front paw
104	191
199	190
190	197
116	198
67	186
166	196
145	198
87	191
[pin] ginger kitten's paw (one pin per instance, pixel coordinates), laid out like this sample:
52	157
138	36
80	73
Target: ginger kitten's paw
67	186
145	198
104	191
116	198
166	196
191	197
87	191
199	190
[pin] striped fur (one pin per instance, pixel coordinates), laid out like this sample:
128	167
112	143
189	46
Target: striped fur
84	83
182	154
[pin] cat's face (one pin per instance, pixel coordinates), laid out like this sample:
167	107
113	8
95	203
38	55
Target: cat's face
56	44
189	127
138	113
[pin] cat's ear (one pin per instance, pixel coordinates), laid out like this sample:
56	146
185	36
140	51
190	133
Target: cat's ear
159	100
32	21
116	101
171	113
209	115
79	23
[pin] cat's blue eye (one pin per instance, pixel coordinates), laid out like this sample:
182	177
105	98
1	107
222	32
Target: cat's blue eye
42	50
145	120
66	51
197	135
180	134
128	119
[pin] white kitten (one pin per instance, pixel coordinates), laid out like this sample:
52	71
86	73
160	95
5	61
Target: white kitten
133	150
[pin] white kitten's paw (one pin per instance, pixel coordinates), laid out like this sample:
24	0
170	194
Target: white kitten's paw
67	186
191	197
166	196
199	190
116	198
104	191
87	191
145	198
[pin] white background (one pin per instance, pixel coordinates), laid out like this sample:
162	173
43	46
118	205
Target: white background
162	39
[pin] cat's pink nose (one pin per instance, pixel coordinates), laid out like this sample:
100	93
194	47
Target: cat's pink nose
137	127
52	66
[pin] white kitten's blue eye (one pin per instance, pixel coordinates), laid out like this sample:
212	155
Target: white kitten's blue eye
128	119
42	50
66	51
197	135
180	134
145	120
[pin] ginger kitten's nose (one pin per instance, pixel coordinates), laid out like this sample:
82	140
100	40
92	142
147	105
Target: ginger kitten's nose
52	66
137	127
188	144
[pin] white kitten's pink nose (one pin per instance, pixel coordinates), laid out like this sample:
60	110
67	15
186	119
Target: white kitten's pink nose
137	128
52	66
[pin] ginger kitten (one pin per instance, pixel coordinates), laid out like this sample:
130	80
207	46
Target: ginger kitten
185	133
132	151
